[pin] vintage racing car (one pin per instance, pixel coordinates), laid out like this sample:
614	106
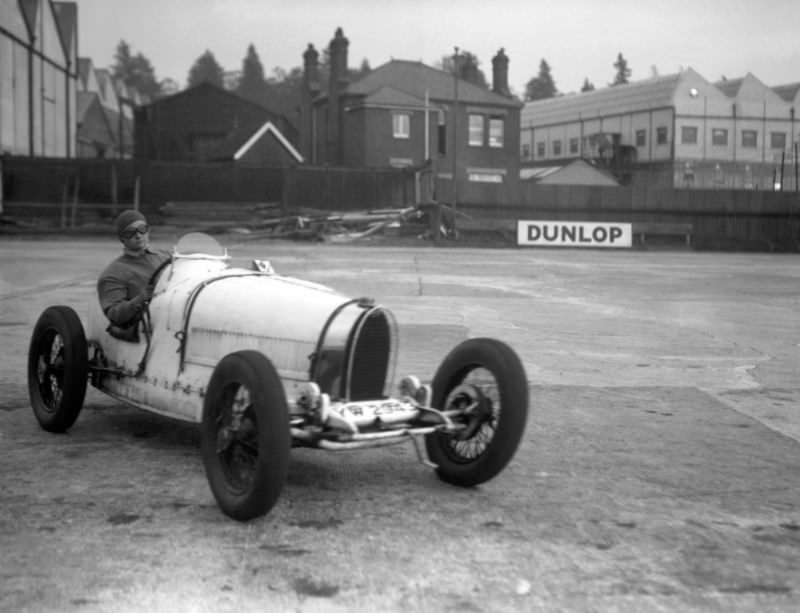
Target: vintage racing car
266	362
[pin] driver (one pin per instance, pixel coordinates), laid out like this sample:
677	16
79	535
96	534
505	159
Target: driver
123	286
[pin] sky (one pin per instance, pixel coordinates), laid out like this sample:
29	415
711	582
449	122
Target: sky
579	39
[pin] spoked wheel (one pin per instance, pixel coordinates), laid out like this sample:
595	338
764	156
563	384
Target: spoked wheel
484	380
246	437
58	368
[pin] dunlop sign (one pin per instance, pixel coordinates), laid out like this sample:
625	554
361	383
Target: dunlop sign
574	234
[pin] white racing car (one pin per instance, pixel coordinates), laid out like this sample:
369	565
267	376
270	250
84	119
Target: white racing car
266	362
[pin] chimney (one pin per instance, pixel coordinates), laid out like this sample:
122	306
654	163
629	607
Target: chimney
337	83
500	74
311	65
338	55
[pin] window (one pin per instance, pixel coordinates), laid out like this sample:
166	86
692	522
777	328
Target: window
556	147
496	132
573	145
526	151
641	138
540	149
401	125
661	135
689	135
476	130
719	137
777	140
749	138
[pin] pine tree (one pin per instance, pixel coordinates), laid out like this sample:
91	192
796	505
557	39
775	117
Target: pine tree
587	85
468	68
623	72
135	71
541	86
252	84
206	68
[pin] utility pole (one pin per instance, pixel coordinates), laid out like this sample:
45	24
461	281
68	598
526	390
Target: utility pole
455	128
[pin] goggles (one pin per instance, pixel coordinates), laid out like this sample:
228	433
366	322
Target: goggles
131	232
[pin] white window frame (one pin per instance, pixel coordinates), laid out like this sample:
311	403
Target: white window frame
497	127
401	125
476	129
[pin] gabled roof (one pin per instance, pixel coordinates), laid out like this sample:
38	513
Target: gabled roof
67	22
389	96
576	172
238	142
730	87
653	93
207	85
85	68
749	88
414	78
30	9
788	92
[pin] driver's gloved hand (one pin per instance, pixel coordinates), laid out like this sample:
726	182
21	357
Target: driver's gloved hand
146	294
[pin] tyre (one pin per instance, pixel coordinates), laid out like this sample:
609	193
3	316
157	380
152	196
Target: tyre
485	379
58	368
245	435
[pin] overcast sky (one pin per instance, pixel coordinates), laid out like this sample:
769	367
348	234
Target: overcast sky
578	38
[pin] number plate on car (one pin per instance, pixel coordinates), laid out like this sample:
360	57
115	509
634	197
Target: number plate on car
368	412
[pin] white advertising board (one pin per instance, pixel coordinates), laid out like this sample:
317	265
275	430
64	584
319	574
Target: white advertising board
574	234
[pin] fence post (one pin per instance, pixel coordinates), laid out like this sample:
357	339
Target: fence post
75	193
114	187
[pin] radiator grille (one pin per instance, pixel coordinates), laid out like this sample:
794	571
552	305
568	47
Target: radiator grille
371	356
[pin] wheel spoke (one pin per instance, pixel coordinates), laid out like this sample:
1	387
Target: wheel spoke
237	437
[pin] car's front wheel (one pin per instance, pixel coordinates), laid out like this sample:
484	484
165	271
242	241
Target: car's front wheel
245	435
484	383
58	368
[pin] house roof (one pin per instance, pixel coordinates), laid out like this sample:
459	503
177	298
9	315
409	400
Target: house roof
85	100
394	97
67	23
414	78
647	94
30	10
190	91
84	68
788	92
730	87
238	142
576	172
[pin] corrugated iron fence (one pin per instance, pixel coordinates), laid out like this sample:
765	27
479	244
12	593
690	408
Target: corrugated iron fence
75	191
43	186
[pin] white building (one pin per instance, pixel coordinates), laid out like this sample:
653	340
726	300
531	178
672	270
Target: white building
678	130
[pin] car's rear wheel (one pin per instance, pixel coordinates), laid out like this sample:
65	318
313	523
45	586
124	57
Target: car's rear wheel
58	368
485	380
245	435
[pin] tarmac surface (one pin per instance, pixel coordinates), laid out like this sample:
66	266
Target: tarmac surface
660	469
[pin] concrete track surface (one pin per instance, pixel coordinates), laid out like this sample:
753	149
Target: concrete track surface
660	470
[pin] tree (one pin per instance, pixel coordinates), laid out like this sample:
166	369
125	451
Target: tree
206	68
587	85
135	71
252	84
541	86
468	68
623	72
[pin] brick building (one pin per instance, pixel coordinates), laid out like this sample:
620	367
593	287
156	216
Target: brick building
405	114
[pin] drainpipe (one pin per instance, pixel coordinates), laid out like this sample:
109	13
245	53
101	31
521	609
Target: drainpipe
31	118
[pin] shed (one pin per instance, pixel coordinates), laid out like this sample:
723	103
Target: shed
576	172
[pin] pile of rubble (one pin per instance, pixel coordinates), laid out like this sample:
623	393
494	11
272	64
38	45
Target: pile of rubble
265	220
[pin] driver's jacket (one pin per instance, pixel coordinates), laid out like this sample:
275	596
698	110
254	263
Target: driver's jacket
121	283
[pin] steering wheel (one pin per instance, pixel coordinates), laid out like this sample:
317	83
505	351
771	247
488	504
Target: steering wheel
159	269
